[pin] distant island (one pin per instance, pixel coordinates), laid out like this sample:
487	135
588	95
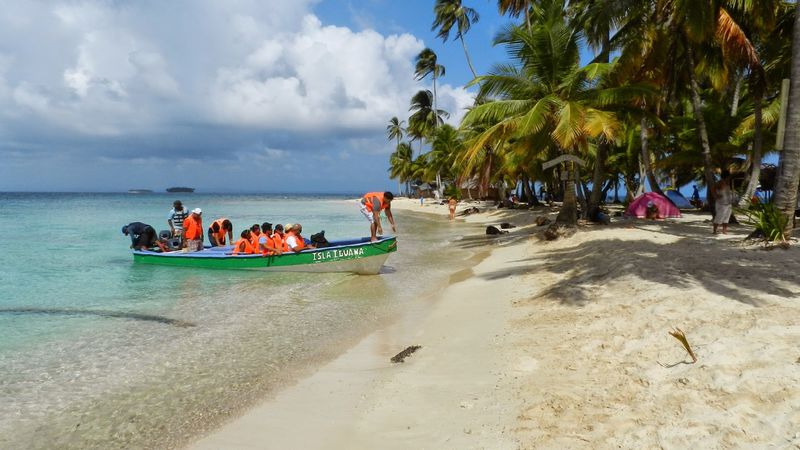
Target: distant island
140	191
180	189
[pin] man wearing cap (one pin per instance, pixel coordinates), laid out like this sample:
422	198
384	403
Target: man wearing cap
143	236
193	231
176	217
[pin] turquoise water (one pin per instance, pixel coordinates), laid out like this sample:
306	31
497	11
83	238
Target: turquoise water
96	352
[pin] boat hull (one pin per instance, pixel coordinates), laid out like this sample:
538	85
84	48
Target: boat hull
354	256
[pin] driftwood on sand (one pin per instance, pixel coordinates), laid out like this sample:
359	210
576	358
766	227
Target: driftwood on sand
401	357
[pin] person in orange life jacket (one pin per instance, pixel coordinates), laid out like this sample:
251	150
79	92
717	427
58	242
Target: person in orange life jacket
371	206
255	232
266	245
243	245
294	240
193	231
278	238
218	230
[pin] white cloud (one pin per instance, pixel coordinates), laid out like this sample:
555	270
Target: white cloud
200	79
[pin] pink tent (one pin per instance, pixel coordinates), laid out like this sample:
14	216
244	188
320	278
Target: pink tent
638	207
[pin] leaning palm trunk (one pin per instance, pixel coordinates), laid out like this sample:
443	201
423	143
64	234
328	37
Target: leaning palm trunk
648	168
466	54
708	167
789	170
755	169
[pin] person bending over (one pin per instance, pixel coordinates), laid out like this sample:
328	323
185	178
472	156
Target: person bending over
143	236
371	206
218	231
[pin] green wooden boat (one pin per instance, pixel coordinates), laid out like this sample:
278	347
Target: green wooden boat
355	256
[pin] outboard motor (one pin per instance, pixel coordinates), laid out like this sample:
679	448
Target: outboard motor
172	243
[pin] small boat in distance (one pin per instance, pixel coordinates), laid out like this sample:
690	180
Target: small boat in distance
140	191
353	256
180	189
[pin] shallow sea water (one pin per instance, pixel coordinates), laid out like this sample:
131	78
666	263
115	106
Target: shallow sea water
97	352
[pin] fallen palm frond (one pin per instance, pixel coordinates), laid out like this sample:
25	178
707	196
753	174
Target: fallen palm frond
400	357
680	336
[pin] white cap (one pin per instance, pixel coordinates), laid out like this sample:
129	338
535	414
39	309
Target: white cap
197	211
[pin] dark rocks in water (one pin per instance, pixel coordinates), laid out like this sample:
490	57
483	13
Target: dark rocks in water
493	230
506	225
401	357
556	231
470	210
542	220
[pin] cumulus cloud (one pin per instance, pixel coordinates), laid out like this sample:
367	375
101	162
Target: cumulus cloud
197	79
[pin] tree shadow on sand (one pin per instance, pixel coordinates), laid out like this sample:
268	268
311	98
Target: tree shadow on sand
695	258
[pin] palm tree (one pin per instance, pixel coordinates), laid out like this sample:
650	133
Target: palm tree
396	131
426	64
424	118
451	13
789	170
400	164
515	8
548	99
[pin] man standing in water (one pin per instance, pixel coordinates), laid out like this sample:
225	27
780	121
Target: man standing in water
176	217
371	206
193	231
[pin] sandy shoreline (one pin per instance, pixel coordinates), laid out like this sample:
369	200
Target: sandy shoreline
564	345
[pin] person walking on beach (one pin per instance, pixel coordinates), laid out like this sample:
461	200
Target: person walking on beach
451	204
193	231
371	206
176	217
218	230
723	203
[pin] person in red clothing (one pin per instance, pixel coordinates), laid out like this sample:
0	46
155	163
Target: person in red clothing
193	231
371	206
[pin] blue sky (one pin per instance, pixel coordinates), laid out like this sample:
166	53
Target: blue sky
244	95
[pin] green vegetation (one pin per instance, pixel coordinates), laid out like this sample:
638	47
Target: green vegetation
678	92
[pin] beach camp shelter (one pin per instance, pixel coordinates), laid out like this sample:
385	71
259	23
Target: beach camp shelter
678	199
638	207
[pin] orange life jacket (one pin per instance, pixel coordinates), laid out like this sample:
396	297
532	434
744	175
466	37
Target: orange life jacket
301	244
254	240
220	235
192	228
243	246
369	198
278	242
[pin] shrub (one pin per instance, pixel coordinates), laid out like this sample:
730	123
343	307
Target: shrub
768	221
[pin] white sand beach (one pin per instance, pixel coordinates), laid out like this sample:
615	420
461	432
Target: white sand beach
565	344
